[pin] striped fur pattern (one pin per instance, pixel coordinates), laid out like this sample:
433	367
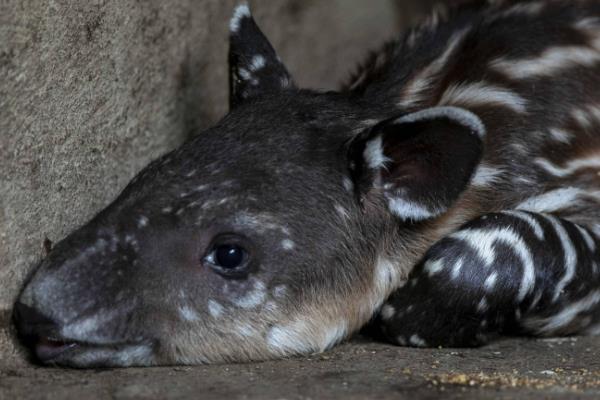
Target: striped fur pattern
512	273
450	193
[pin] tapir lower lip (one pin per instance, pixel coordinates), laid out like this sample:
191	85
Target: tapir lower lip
49	349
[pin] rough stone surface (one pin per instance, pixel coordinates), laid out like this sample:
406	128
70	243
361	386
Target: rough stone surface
513	369
91	91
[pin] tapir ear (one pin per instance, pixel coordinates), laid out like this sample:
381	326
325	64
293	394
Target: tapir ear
419	162
254	67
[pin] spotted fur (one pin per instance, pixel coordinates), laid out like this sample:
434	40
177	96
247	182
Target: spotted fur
449	192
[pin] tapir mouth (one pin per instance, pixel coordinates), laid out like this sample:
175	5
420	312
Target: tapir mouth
47	349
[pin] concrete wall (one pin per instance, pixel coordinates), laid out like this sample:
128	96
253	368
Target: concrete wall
91	91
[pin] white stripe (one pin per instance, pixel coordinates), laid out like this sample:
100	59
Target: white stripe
566	315
550	62
571	167
374	154
591	244
457	267
570	256
418	88
240	12
482	241
551	201
483	94
560	135
537	228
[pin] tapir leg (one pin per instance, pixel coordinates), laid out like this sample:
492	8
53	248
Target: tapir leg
509	273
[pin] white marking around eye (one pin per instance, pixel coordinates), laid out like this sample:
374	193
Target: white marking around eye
569	254
483	94
240	12
483	242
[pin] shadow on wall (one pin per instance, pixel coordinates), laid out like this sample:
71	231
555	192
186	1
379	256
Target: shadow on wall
92	91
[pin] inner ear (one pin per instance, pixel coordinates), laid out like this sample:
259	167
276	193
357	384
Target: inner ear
421	162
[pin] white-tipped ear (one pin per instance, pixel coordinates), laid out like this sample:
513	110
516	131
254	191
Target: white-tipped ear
254	67
420	162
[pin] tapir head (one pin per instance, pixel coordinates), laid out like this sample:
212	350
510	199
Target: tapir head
279	231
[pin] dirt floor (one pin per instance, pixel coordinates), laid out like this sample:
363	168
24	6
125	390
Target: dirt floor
523	369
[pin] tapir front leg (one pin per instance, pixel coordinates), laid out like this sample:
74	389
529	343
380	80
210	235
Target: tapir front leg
510	273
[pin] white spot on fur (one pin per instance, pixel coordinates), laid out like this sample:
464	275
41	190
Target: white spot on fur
482	241
240	12
588	116
142	221
457	267
257	63
342	211
483	94
483	305
374	154
387	312
348	185
458	115
417	341
253	298
490	281
560	135
570	256
433	267
287	244
188	313
215	309
279	291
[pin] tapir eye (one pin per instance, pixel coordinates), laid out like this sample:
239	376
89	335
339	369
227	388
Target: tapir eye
228	256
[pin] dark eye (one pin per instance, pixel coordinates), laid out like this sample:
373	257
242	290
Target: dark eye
229	256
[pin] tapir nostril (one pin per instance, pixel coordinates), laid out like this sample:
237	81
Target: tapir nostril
31	322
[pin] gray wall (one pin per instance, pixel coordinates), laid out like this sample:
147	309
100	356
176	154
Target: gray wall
91	91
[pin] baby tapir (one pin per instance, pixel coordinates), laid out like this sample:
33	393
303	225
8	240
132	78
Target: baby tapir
450	193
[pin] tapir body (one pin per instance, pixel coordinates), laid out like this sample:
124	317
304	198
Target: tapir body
448	194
